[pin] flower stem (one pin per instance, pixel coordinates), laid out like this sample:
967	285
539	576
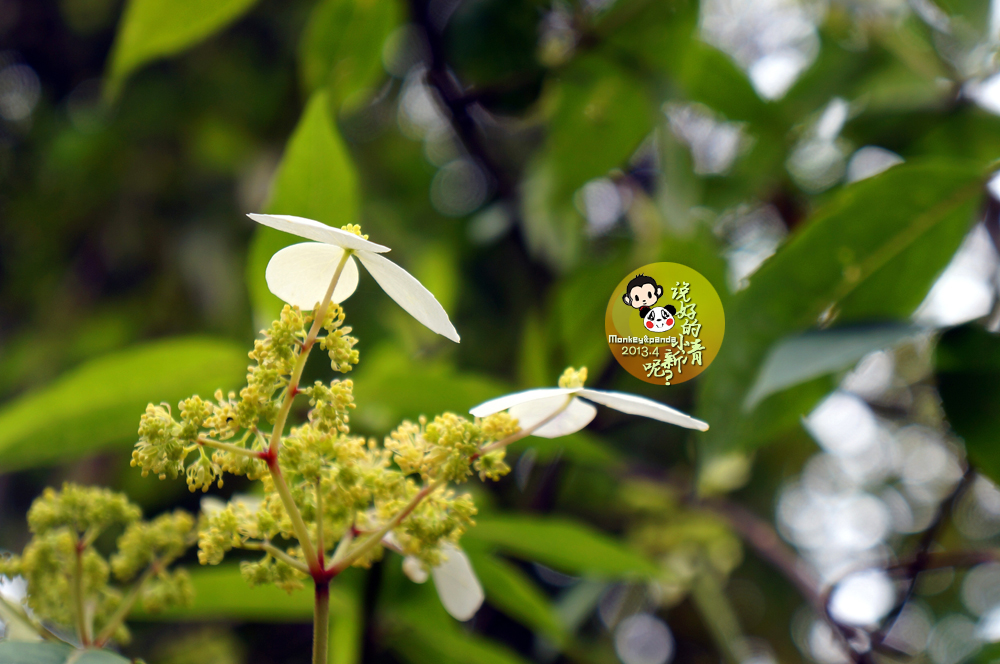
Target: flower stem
226	447
524	433
375	538
275	553
320	545
79	611
293	383
298	525
301	532
125	607
321	623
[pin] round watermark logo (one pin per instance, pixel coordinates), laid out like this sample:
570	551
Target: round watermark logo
665	323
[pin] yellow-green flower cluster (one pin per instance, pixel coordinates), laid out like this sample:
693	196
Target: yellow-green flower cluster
167	446
344	486
69	581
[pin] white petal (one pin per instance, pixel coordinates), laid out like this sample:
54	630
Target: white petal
301	273
508	400
634	405
314	230
414	569
409	293
576	416
457	585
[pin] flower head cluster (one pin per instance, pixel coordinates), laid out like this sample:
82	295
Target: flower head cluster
70	582
169	446
334	495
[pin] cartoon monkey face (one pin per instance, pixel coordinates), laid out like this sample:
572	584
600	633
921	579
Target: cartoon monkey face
659	319
642	291
643	296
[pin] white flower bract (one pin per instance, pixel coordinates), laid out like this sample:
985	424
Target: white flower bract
456	582
535	406
300	274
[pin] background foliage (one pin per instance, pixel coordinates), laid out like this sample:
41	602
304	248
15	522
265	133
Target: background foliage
521	156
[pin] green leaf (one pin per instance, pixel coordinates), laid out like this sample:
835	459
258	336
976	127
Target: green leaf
316	180
968	376
152	29
870	254
568	546
341	48
801	358
390	386
601	116
22	652
418	634
98	404
510	590
220	593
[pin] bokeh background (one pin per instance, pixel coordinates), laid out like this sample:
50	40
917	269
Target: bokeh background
825	163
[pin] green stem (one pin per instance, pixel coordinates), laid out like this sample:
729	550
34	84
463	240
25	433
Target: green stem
524	433
321	623
275	553
79	610
298	525
320	544
293	383
301	532
375	538
125	607
226	447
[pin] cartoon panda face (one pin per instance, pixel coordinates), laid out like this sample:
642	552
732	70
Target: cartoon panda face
658	319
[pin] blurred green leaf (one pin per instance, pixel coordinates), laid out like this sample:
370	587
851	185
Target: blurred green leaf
581	447
510	590
797	359
341	48
601	116
870	254
580	310
390	386
968	377
316	180
98	404
22	652
568	546
220	593
420	635
152	29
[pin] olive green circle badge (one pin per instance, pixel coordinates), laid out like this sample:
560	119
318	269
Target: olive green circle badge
665	323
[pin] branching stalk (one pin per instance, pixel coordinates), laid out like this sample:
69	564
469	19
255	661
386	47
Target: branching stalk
298	524
125	607
226	447
301	532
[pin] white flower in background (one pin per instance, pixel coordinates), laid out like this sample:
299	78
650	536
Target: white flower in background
300	274
558	411
456	582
